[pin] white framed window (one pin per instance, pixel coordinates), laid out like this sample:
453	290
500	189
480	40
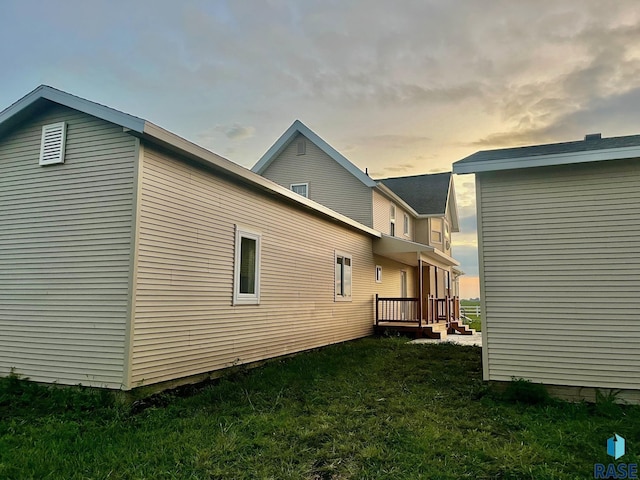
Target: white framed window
246	282
343	277
300	189
405	228
378	274
392	220
52	143
447	232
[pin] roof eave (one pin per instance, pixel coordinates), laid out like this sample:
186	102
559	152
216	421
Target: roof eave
394	196
462	167
44	92
169	140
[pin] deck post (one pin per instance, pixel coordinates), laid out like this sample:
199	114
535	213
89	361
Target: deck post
447	310
420	293
377	315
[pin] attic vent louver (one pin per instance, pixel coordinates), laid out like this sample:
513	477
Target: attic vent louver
53	142
302	147
592	136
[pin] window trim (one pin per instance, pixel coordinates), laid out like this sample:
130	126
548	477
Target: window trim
341	297
392	220
378	274
246	298
405	228
306	185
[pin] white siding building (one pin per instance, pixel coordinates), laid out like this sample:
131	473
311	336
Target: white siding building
558	229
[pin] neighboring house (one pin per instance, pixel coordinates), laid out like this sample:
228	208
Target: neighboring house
416	215
558	229
130	256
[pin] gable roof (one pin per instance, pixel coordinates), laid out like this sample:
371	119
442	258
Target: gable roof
43	95
593	148
287	137
426	194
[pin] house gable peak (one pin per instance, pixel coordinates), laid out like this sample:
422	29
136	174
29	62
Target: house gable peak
290	134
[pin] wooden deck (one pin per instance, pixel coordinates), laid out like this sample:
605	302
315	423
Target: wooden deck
423	318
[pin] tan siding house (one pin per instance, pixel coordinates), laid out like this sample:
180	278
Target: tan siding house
328	183
185	323
559	262
132	257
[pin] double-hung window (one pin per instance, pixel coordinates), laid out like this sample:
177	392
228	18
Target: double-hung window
246	282
392	220
343	277
405	230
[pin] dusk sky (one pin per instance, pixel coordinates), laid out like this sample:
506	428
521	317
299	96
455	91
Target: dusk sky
400	88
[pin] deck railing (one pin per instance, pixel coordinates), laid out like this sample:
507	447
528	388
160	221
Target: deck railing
409	310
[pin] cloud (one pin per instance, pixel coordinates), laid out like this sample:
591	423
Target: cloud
236	131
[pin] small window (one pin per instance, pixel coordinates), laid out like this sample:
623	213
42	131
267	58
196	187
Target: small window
301	189
302	147
392	220
447	233
378	274
343	277
246	286
406	224
436	236
53	143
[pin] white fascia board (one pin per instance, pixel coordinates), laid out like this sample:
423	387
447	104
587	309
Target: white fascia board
287	137
547	160
387	192
159	135
63	98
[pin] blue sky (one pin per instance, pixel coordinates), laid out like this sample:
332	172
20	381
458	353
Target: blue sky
400	88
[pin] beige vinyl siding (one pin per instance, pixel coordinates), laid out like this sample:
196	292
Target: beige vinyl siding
382	217
185	323
329	183
390	285
421	233
65	240
561	257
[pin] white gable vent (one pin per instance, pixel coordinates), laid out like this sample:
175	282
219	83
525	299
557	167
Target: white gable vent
302	147
52	146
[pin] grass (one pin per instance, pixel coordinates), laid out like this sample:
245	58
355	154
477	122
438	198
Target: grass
476	320
369	409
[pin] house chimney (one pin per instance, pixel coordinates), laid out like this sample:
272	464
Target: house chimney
592	136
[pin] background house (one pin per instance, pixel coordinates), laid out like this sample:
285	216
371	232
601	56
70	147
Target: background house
416	214
558	229
130	256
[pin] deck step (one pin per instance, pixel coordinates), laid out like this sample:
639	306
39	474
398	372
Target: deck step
461	328
435	330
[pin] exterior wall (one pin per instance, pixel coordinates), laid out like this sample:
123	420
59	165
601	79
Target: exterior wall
390	285
559	262
65	242
329	183
422	233
382	217
185	323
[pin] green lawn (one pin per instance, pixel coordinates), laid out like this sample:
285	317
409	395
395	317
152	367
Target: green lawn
476	320
369	409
